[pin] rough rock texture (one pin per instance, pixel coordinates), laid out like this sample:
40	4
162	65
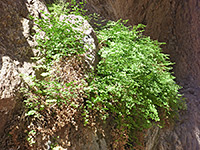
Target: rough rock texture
175	22
15	51
184	135
89	38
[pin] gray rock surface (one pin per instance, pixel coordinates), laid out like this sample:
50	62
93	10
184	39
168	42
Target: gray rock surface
89	38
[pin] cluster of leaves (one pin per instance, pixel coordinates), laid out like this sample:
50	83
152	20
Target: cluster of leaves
52	90
133	83
56	40
59	39
45	93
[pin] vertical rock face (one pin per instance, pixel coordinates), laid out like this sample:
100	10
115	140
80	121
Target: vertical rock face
15	51
175	22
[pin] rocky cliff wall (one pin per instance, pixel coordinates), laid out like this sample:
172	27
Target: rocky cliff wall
16	42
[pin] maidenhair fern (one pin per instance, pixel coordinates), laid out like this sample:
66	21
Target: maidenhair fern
133	83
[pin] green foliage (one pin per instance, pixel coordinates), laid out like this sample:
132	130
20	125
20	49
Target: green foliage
50	90
59	8
60	39
45	93
133	82
57	39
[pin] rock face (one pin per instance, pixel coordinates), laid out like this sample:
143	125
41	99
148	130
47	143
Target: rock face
15	51
16	41
175	22
89	38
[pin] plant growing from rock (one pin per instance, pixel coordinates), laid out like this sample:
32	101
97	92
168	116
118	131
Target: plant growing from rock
133	83
55	95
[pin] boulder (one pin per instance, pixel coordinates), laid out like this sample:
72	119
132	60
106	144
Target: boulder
89	37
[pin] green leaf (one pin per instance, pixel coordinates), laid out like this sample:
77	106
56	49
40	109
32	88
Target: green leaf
31	112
